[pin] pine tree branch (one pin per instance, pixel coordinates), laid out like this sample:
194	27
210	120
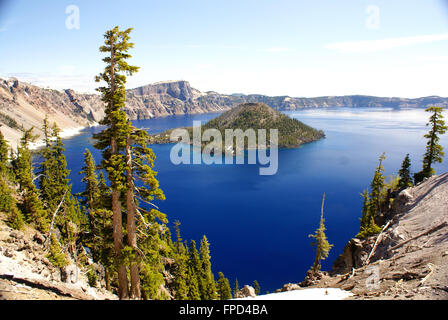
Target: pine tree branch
143	218
139	198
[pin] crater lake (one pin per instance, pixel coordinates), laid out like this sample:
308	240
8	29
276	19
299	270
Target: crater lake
258	226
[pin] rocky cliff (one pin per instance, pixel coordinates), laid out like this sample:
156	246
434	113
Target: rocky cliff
26	104
23	106
408	259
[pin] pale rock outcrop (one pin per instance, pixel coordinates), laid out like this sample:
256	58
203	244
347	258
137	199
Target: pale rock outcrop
246	291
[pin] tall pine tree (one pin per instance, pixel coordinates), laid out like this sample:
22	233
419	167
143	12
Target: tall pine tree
206	275
112	140
180	267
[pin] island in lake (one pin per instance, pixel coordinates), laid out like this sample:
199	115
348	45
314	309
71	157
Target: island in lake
292	133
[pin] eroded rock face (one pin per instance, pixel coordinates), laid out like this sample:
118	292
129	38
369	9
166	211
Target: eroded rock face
176	89
354	255
69	274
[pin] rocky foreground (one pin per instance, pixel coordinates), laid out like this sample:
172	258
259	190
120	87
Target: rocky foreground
408	259
26	273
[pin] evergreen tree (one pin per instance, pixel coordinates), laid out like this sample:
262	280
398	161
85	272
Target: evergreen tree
434	151
180	268
31	205
257	287
91	195
223	287
377	186
207	278
56	256
192	284
194	272
139	168
7	201
368	225
8	204
4	158
372	202
405	174
112	140
236	289
105	194
194	261
320	242
55	190
100	240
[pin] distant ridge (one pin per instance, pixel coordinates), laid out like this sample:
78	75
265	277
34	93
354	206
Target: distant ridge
27	104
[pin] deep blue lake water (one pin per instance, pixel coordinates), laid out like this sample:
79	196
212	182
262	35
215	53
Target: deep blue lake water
258	226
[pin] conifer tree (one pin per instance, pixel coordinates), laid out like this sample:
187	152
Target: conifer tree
7	201
405	174
320	242
223	287
368	225
206	274
31	205
105	194
192	284
91	195
236	289
100	240
8	204
207	278
112	140
4	157
139	168
257	287
372	202
55	190
377	186
180	269
56	256
434	151
194	261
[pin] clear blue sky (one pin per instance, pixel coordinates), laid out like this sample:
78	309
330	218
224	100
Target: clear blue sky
281	47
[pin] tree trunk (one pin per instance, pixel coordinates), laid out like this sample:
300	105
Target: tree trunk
130	223
123	291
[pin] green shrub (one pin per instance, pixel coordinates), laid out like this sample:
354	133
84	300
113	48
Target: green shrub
92	278
56	256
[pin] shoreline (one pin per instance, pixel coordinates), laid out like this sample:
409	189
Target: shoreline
64	134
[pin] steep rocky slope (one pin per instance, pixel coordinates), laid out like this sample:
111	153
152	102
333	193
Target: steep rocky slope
409	259
26	273
23	106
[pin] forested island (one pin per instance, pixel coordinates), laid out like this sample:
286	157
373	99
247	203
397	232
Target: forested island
292	133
